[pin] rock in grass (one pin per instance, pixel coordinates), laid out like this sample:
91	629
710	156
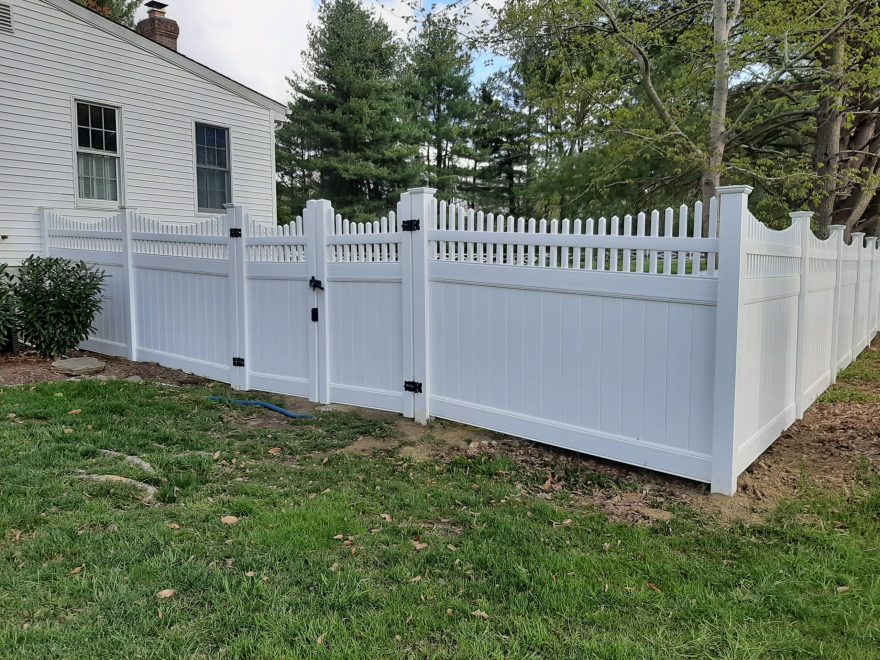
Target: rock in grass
149	492
79	366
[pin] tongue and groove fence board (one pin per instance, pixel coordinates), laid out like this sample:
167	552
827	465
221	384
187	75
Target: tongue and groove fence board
636	337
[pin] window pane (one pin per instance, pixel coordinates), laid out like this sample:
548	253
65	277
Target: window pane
97	139
212	189
98	177
97	116
110	142
110	119
84	140
82	114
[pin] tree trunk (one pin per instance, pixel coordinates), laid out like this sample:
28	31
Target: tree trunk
829	124
711	178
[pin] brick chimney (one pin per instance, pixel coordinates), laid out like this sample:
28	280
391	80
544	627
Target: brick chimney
157	27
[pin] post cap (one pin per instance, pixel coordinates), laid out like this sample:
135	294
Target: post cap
422	189
734	190
801	216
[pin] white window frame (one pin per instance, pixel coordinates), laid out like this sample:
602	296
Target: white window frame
86	202
195	167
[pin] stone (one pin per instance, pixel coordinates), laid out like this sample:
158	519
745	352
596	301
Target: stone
79	366
135	379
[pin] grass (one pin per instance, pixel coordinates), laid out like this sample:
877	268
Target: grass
858	383
555	579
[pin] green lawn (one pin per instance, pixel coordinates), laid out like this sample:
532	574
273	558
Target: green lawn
81	563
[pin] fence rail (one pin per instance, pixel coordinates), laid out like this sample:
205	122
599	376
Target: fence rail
635	337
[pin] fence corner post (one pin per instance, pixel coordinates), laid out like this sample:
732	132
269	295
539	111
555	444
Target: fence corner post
801	220
237	225
733	225
126	219
836	233
317	220
421	205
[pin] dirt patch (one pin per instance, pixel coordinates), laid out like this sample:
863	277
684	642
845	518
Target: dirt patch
366	445
28	368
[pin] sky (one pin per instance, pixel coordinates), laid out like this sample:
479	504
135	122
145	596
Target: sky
259	42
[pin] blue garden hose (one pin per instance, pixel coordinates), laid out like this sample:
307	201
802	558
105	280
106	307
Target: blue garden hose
261	404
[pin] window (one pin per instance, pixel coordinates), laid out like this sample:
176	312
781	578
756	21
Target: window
212	167
97	152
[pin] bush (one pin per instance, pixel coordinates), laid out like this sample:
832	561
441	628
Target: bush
7	306
57	303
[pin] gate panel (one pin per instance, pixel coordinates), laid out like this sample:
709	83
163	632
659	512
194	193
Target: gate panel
364	303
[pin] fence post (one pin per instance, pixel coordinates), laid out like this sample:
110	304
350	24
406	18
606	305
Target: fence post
417	204
237	224
734	216
873	303
44	231
836	233
126	217
317	218
801	219
858	238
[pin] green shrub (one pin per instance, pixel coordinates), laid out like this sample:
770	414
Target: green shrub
57	303
7	306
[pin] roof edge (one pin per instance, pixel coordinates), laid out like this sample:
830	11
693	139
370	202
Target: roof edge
172	56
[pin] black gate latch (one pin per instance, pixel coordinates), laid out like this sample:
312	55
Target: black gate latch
412	386
315	284
410	225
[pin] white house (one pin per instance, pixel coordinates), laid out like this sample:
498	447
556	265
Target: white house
95	116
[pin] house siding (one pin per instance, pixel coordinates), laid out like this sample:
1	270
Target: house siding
53	58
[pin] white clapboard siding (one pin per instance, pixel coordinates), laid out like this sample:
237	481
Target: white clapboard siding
54	57
632	337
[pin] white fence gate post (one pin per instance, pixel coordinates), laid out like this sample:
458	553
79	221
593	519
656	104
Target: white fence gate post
802	219
236	223
417	204
836	233
317	217
734	212
126	218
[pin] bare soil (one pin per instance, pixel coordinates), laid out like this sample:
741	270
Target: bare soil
29	368
827	450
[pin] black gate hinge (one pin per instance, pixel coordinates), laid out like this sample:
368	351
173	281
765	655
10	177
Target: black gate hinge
235	232
237	362
410	225
315	314
412	386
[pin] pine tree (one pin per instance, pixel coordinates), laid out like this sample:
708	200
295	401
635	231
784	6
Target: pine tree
351	135
503	135
442	68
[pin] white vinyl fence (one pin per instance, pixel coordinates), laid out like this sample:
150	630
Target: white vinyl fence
633	338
